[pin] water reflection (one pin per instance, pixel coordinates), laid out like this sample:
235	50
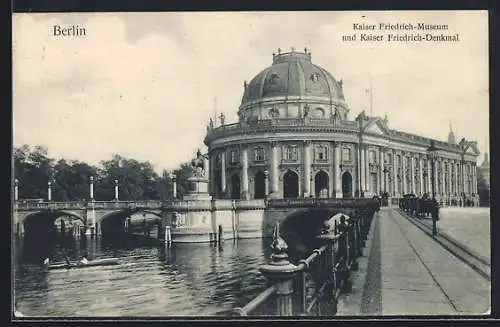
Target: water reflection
152	280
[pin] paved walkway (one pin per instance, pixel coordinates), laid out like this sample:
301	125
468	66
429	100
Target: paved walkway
407	273
469	226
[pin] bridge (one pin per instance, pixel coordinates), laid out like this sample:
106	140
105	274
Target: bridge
386	262
187	220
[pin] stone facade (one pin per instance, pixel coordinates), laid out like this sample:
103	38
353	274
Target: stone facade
294	140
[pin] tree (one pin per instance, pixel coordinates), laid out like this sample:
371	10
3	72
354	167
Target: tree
182	174
70	179
33	169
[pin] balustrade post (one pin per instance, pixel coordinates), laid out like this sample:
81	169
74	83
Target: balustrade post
281	272
353	239
330	261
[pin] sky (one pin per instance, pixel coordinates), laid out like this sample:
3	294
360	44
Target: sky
142	85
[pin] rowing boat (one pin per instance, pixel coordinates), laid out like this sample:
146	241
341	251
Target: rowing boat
78	264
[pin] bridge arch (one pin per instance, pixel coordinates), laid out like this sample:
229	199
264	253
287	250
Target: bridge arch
113	222
48	217
301	226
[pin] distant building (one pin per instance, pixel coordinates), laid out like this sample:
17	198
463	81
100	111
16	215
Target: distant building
484	169
294	139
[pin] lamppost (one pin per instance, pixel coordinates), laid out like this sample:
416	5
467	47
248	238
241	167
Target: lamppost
93	227
174	185
49	191
431	151
16	190
91	188
116	190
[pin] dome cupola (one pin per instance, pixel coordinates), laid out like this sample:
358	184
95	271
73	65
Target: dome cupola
292	86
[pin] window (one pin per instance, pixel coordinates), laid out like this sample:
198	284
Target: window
235	156
346	154
388	158
373	157
290	153
321	152
259	154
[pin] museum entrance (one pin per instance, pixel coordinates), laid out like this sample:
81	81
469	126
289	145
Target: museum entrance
290	185
346	185
259	185
321	184
235	187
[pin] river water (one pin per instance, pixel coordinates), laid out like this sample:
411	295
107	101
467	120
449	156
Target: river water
151	281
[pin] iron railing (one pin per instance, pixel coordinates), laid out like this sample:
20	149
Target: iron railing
314	285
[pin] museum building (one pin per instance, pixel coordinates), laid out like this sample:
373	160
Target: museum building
294	139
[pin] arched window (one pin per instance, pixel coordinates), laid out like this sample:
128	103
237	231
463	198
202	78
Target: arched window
290	185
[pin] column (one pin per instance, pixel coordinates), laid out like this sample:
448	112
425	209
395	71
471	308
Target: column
421	175
211	181
363	168
436	180
457	191
429	173
464	177
244	173
358	168
413	184
223	172
337	171
442	189
449	190
266	183
367	170
116	190
307	169
383	184
403	173
394	173
274	169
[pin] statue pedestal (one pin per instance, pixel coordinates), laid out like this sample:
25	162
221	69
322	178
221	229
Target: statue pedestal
198	189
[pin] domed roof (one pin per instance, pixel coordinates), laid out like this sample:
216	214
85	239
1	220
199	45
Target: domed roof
293	74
